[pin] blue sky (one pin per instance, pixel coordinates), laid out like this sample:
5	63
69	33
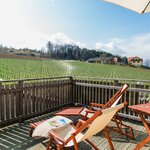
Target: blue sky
87	23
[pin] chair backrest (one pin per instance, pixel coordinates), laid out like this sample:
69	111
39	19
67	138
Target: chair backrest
101	121
115	99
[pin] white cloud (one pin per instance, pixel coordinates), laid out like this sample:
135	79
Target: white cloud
31	39
110	47
19	32
61	38
52	2
136	45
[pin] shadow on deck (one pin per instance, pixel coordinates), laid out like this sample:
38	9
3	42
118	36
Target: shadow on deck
16	137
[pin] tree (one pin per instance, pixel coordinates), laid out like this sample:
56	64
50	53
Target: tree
42	52
49	48
125	60
147	63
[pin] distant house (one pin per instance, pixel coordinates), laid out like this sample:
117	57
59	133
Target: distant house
24	52
115	60
93	60
27	52
102	60
119	61
135	61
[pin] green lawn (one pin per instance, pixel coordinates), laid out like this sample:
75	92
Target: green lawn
22	68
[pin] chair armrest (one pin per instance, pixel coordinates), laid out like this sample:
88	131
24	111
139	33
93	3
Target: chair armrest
80	122
55	135
97	105
125	103
89	111
85	117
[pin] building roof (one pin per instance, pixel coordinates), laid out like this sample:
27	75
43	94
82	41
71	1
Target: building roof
101	59
131	58
93	59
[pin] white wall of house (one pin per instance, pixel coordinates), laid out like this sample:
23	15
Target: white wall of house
136	63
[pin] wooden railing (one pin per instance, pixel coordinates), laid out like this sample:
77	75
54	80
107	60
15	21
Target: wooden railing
23	99
101	90
144	84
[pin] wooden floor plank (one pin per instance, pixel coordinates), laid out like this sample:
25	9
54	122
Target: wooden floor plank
124	141
104	144
140	134
16	137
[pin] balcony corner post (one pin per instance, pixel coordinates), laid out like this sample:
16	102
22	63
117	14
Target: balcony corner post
20	100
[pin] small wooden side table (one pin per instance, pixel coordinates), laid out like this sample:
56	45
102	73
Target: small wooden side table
141	110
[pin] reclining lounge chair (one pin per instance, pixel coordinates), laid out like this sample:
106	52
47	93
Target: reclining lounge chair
70	135
87	113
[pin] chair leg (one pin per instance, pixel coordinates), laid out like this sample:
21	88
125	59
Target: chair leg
92	144
49	143
142	143
31	131
58	147
108	138
75	144
119	128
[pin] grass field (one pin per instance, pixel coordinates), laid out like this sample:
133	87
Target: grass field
22	68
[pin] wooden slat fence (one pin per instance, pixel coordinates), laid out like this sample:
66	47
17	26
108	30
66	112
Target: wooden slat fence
100	91
22	99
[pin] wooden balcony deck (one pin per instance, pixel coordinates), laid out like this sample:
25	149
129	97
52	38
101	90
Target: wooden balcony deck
16	137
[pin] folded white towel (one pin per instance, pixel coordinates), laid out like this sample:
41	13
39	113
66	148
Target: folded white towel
53	123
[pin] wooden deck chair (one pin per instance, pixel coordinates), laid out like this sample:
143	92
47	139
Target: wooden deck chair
113	101
70	135
120	126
